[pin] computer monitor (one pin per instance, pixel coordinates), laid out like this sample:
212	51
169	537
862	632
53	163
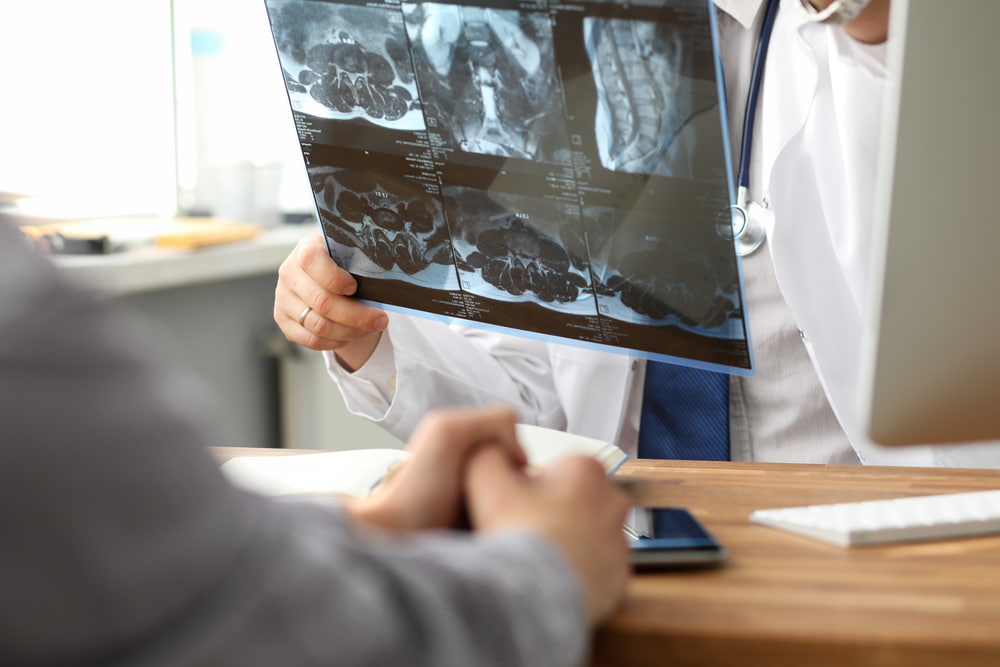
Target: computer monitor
931	364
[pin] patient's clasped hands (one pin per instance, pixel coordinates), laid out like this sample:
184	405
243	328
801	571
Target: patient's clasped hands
467	464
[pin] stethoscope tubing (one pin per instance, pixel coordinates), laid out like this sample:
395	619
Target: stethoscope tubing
750	113
747	231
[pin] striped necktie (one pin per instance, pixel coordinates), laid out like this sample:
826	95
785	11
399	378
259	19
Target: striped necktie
685	414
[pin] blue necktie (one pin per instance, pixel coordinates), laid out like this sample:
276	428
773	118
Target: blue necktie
685	414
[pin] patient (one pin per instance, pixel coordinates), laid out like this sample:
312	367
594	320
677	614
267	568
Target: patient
124	544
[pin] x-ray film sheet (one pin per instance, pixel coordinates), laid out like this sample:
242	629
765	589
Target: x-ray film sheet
559	170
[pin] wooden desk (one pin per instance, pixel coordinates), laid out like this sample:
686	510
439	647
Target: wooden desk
788	600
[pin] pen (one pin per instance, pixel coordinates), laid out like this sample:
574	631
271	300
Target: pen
630	532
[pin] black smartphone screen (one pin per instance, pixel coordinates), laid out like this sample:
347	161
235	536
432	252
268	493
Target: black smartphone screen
672	537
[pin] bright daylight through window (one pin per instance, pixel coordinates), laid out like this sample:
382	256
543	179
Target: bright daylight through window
93	124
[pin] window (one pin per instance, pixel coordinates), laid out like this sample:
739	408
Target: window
93	123
239	155
87	117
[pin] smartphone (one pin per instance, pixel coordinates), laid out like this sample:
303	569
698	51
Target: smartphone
671	537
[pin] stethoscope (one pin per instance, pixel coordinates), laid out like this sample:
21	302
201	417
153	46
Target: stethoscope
749	230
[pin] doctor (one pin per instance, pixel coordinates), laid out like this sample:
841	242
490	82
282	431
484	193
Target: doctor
811	170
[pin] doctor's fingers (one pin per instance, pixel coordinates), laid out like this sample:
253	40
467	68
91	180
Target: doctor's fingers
333	322
309	270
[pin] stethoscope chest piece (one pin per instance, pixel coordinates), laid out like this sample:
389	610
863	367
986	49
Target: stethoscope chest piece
751	225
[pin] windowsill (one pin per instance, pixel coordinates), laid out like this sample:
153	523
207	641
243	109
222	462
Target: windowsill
150	268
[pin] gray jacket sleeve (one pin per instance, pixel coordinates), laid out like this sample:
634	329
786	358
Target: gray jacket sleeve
123	544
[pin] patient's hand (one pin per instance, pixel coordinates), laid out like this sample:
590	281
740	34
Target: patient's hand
426	490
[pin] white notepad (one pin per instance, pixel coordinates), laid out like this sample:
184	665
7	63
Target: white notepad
356	472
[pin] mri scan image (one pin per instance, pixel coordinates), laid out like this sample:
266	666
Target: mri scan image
515	250
382	227
346	61
653	279
641	71
560	170
488	80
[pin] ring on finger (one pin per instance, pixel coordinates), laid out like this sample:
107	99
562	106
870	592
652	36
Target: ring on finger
302	317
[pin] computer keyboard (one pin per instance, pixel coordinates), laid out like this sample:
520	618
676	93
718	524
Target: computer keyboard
894	520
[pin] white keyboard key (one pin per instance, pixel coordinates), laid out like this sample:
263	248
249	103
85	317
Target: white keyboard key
894	520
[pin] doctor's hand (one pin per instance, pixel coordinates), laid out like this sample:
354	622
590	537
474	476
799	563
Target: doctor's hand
572	503
425	490
314	306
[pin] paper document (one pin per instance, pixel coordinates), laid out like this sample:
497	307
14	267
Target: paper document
356	472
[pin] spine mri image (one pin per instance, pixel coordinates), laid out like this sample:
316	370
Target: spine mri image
560	168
